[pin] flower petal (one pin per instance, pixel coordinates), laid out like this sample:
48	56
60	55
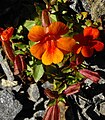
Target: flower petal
36	33
58	28
87	51
7	34
99	46
87	31
66	43
37	50
52	54
79	38
77	48
48	58
93	32
57	56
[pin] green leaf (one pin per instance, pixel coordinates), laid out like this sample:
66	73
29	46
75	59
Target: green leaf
57	84
63	87
53	18
51	102
21	46
19	52
61	99
88	23
29	23
38	72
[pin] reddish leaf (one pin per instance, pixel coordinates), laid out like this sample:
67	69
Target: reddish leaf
8	50
53	113
72	89
94	76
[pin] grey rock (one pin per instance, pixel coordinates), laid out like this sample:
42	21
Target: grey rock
47	85
102	108
9	106
39	113
95	7
33	92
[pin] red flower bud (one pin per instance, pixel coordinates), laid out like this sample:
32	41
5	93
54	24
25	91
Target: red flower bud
72	89
53	113
19	65
8	50
94	76
45	18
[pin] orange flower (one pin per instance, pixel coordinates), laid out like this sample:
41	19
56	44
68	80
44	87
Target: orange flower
5	36
87	42
50	47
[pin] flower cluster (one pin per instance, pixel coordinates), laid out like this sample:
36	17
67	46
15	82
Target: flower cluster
51	46
54	51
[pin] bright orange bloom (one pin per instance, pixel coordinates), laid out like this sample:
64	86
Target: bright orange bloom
87	42
50	47
5	36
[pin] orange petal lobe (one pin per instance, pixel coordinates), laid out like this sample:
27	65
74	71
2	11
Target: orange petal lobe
95	33
87	31
66	43
36	33
37	50
58	28
52	54
77	48
55	57
87	51
99	46
7	34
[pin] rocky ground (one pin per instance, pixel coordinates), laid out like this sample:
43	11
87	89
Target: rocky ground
18	103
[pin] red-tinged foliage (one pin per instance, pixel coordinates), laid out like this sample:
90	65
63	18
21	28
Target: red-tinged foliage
72	89
50	94
19	65
52	113
94	76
